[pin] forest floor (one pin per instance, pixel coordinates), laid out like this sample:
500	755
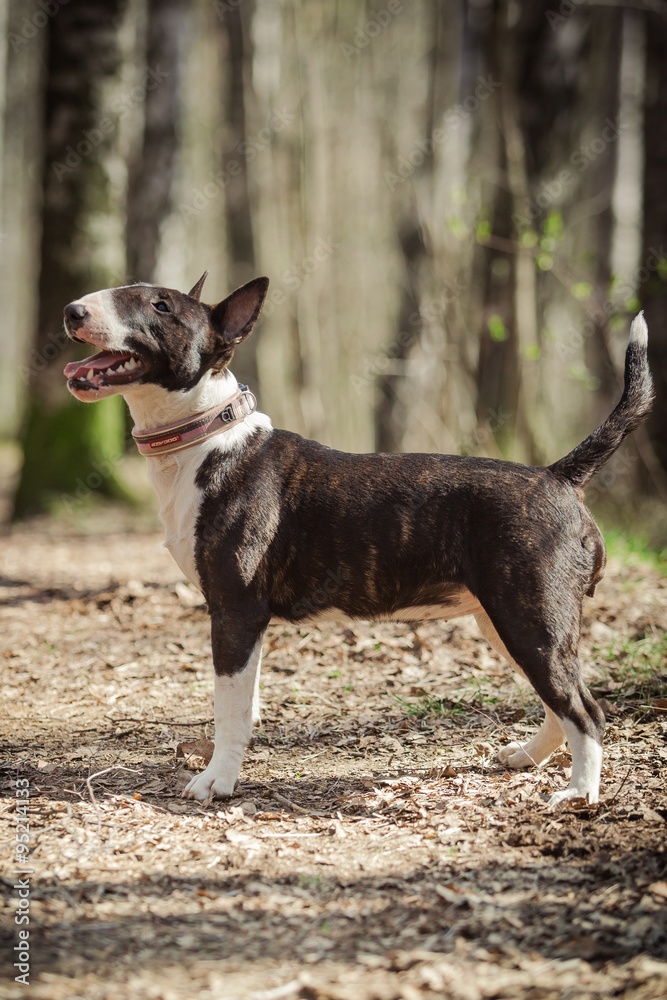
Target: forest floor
374	848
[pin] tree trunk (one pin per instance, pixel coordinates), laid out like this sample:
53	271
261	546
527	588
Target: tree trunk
597	191
549	181
19	196
653	289
151	180
418	409
394	389
498	374
69	449
236	25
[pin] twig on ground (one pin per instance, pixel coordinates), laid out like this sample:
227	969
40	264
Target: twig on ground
98	774
161	722
502	729
617	792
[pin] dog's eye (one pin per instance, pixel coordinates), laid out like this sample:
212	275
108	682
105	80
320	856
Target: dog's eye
161	306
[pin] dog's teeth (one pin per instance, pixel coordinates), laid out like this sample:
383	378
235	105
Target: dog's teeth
130	365
91	372
121	368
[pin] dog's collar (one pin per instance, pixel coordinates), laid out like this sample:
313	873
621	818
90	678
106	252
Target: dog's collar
199	427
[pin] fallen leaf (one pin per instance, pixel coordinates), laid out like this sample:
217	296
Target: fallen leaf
46	766
659	889
196	750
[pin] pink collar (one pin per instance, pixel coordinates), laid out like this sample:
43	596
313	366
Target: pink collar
199	427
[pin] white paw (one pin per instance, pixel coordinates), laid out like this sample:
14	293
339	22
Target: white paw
514	755
210	782
568	795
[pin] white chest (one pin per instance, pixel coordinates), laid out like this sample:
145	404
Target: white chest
173	479
173	476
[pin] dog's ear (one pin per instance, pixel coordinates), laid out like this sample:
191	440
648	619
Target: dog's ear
232	319
195	291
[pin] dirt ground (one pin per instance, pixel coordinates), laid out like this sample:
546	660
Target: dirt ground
374	849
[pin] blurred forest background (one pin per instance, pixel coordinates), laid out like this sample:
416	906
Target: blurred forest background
460	205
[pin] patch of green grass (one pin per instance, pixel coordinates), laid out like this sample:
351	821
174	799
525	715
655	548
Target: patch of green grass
640	665
459	702
309	881
199	687
429	706
635	550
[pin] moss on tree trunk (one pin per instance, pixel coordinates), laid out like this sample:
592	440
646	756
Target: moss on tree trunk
70	449
70	454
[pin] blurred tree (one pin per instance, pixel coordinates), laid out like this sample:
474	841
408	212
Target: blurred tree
151	173
416	408
237	53
69	447
20	160
429	187
556	97
393	409
653	291
499	370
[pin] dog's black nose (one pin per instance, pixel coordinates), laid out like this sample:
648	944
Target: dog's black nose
75	312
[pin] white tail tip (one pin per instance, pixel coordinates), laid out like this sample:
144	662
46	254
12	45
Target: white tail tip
639	330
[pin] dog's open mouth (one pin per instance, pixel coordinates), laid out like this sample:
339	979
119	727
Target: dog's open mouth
105	369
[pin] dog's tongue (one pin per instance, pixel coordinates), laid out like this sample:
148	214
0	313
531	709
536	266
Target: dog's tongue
97	362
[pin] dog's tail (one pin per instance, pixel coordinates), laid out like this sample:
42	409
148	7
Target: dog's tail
588	457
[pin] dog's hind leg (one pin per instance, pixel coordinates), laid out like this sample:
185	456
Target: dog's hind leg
548	738
586	752
237	650
553	669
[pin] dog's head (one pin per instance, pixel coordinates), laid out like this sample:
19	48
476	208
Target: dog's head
152	335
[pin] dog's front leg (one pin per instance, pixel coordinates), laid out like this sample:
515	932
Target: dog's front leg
256	710
237	652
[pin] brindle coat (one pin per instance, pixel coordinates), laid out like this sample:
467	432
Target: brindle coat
287	529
